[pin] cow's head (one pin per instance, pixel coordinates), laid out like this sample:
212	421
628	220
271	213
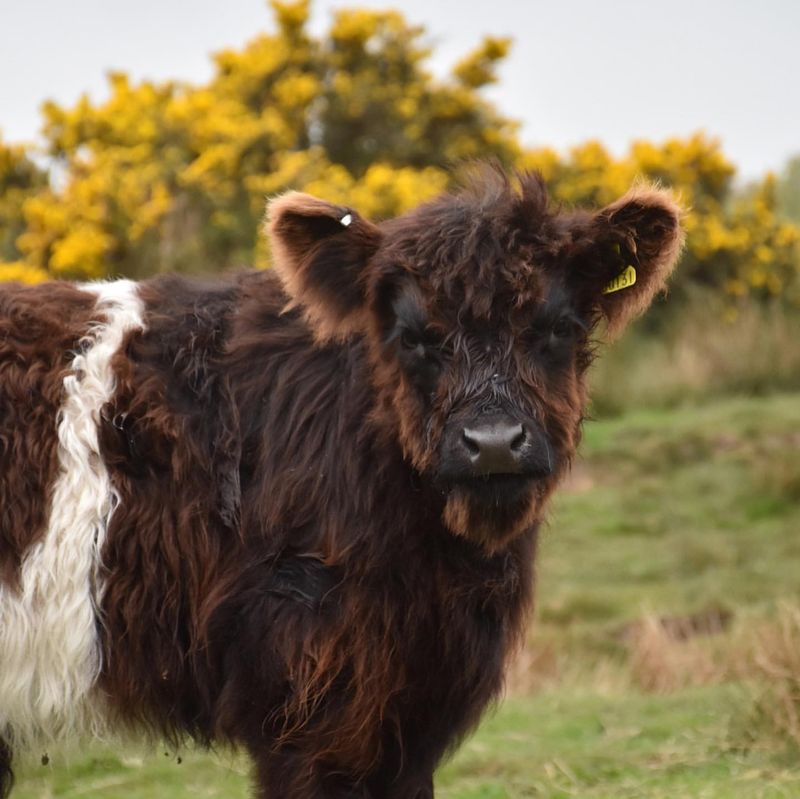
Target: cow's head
479	309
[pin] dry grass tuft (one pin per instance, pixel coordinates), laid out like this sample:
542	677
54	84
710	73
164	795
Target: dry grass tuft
701	354
776	661
538	665
666	656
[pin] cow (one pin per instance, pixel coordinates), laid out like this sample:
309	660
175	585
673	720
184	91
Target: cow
296	510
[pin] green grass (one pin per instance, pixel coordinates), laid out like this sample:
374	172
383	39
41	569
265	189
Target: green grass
676	511
131	774
557	744
670	512
580	744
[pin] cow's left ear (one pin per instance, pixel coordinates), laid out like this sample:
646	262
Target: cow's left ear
320	252
627	251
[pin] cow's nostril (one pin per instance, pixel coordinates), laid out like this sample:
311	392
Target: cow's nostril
470	444
519	439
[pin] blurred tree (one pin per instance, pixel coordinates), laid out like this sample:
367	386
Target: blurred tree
737	242
380	105
167	176
171	176
20	179
788	189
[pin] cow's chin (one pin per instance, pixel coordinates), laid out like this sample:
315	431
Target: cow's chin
491	511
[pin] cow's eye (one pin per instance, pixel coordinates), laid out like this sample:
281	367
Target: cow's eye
563	328
410	340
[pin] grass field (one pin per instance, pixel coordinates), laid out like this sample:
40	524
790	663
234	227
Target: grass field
664	659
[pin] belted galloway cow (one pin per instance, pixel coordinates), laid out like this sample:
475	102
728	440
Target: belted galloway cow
296	510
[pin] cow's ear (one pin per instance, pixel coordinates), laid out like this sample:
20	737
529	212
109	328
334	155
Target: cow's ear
321	251
626	252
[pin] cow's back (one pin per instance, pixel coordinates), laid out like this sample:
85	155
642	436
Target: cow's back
109	446
57	343
170	439
120	453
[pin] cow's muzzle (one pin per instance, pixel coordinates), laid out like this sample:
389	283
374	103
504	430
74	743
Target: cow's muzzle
494	445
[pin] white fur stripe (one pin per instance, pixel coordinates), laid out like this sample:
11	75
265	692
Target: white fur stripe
49	647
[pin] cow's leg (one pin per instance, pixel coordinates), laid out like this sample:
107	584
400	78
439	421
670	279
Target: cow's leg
6	775
406	785
419	788
406	768
287	773
290	773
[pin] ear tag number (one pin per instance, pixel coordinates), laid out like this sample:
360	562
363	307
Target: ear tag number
625	279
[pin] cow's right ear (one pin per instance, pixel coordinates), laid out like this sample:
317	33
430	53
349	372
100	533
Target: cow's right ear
320	252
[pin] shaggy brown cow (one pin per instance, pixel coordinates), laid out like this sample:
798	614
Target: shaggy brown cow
297	510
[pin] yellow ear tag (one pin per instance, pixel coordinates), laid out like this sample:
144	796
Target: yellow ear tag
625	279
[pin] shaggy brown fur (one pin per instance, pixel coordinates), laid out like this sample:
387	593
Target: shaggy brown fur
40	329
301	562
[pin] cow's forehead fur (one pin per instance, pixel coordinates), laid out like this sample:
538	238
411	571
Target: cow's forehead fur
485	250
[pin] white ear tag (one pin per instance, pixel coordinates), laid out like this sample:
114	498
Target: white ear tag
346	220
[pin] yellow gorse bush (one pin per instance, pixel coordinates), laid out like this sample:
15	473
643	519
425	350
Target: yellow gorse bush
21	272
171	176
737	243
20	180
168	176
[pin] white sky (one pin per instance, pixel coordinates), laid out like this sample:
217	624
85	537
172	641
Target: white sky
610	69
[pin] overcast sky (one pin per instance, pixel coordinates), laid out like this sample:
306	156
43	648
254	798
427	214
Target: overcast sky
613	70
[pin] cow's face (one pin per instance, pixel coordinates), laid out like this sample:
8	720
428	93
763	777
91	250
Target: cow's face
479	309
